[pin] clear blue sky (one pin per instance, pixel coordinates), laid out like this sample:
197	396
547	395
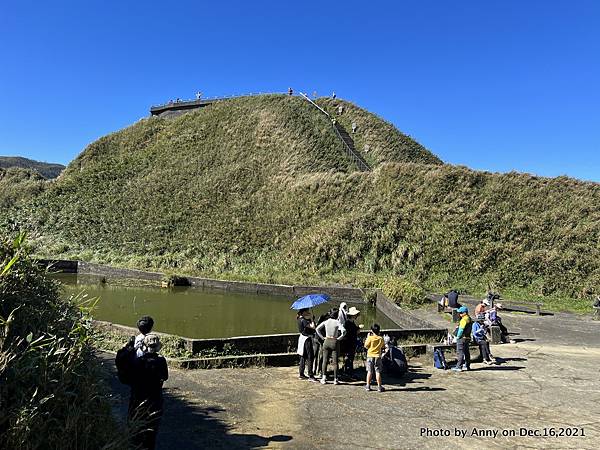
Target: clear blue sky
494	85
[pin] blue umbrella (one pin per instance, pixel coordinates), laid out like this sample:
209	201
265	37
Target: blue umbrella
309	301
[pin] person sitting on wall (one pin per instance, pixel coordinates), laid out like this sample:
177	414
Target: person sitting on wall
453	299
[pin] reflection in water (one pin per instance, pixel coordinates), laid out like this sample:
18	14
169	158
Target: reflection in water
200	313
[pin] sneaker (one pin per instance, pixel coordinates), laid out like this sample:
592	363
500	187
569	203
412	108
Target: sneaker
335	381
465	368
303	377
487	363
313	380
323	380
457	369
367	387
381	389
512	341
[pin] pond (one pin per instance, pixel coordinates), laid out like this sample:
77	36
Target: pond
200	313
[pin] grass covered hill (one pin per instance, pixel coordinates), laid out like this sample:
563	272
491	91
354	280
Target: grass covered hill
260	189
47	170
17	184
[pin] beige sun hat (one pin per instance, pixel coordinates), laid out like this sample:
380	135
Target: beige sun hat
152	343
353	311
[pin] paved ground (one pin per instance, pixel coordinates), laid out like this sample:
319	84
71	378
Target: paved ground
548	381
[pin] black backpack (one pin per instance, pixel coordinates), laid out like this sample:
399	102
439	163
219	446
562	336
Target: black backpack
124	361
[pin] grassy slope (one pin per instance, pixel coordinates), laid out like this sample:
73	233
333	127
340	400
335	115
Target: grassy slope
47	170
17	184
258	188
377	140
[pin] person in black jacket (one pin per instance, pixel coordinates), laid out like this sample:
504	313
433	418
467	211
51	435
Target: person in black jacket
348	344
146	402
306	327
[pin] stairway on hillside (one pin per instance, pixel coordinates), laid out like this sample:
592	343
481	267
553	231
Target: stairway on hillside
353	153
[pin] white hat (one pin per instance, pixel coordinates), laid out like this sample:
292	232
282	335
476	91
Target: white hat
353	311
486	302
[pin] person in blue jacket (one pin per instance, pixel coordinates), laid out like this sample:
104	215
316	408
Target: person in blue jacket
479	335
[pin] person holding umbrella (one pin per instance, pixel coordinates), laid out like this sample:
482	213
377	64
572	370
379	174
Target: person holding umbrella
306	327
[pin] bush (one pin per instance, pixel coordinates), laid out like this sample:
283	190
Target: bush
403	292
51	390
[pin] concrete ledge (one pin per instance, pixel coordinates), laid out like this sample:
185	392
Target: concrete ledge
272	343
402	317
220	362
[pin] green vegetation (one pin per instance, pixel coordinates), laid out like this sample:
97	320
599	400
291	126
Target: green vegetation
17	185
260	189
51	394
46	170
403	292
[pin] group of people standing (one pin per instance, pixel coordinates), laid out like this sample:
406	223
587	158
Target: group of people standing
335	334
486	316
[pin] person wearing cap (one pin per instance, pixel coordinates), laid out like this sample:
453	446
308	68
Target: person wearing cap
348	344
463	339
146	401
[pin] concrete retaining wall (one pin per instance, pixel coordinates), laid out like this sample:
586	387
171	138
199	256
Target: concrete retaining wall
272	343
402	317
59	265
339	293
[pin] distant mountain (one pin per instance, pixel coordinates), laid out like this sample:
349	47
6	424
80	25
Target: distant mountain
47	170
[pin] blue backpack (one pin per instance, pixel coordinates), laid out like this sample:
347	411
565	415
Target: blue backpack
439	361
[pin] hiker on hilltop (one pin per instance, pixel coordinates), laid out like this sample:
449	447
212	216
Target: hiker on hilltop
463	339
146	401
306	327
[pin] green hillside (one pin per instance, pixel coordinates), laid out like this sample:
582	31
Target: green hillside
259	188
17	185
47	170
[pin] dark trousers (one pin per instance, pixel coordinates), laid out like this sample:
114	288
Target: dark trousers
349	362
307	357
463	353
318	354
484	348
330	347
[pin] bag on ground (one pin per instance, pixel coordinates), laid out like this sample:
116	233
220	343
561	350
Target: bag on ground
439	360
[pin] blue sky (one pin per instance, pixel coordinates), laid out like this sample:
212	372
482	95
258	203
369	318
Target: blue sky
496	85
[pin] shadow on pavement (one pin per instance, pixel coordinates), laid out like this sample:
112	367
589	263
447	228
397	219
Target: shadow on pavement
186	426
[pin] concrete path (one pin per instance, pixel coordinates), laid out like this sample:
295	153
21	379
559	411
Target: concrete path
548	381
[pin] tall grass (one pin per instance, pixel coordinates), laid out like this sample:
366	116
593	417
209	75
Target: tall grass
51	391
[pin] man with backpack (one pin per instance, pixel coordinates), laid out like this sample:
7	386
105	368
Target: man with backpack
146	402
463	336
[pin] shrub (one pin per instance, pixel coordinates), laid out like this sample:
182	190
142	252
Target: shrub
51	390
403	292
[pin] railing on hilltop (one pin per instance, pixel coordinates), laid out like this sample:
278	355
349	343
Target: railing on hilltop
207	100
352	154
